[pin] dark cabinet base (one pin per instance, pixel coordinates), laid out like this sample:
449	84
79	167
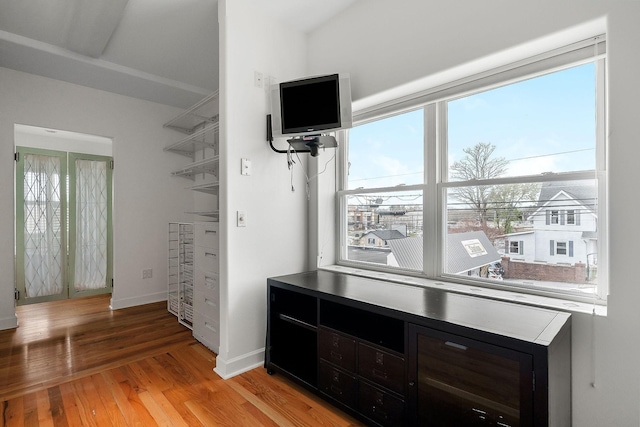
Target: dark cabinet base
395	355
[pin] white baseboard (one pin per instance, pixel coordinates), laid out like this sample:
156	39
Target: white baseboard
236	366
138	300
10	322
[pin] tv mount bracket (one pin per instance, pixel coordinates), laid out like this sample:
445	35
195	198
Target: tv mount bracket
303	144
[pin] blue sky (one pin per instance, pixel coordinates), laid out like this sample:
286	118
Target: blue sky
545	124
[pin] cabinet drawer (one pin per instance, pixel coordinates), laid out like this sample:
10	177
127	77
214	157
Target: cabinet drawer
207	259
381	367
337	349
206	234
380	406
207	331
338	384
208	305
207	281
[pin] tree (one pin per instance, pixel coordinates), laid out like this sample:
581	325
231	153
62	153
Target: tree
477	164
508	199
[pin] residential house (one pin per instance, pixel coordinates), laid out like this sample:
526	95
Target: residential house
380	238
392	49
563	228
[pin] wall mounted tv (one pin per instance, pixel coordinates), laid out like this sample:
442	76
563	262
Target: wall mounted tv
311	106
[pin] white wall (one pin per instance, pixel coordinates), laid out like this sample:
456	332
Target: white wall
274	242
391	47
146	197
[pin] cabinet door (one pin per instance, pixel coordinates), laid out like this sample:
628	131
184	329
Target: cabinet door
461	381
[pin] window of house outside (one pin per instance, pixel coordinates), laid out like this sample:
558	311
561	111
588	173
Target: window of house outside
510	166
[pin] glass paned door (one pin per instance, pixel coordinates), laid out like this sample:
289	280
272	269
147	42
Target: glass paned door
41	225
63	225
90	269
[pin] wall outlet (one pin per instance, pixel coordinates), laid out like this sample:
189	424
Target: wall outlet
147	273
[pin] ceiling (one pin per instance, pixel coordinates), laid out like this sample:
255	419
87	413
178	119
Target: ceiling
164	51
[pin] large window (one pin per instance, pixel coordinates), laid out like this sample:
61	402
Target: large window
475	181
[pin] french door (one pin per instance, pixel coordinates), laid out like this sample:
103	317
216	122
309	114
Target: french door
63	225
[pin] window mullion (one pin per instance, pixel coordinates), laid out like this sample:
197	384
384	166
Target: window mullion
431	201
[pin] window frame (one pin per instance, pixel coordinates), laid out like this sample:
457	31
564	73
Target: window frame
435	182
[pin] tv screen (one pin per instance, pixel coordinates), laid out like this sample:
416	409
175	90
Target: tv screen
310	105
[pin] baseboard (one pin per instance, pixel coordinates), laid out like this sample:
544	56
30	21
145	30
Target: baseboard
138	300
10	322
236	366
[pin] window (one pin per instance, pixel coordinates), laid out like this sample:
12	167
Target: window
501	159
561	248
516	247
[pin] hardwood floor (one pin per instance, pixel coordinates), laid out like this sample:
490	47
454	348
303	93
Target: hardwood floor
77	363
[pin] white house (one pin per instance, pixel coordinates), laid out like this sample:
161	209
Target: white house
563	227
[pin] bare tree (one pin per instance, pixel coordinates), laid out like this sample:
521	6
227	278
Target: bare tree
477	164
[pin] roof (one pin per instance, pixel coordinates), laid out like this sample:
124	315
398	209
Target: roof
368	254
465	251
584	192
408	252
387	234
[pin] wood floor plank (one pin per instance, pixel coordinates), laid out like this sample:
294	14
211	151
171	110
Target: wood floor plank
56	403
45	418
13	413
129	414
71	411
79	363
110	405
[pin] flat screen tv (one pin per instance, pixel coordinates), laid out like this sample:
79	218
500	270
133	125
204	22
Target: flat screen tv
311	106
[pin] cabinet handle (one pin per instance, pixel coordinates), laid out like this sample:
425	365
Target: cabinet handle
455	345
336	356
210	232
381	414
336	390
210	254
379	374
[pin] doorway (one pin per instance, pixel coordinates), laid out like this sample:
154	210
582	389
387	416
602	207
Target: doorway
63	220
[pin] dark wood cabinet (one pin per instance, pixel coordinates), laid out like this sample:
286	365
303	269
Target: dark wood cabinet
396	355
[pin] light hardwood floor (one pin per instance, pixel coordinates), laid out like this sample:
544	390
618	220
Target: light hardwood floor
77	363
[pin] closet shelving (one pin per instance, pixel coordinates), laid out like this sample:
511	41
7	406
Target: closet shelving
194	118
208	165
201	145
207	137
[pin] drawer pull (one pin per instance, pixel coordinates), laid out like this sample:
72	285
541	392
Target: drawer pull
336	356
455	345
498	423
210	254
210	231
380	414
379	374
336	390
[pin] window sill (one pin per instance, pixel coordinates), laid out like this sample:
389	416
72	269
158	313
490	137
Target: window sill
516	297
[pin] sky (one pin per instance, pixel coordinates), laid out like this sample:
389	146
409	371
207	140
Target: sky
544	124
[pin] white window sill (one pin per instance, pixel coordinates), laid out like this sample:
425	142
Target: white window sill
520	298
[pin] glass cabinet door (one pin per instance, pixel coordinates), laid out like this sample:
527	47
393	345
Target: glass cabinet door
460	381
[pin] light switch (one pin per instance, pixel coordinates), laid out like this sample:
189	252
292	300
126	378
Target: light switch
242	219
245	167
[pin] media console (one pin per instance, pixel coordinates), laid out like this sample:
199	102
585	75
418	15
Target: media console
392	354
